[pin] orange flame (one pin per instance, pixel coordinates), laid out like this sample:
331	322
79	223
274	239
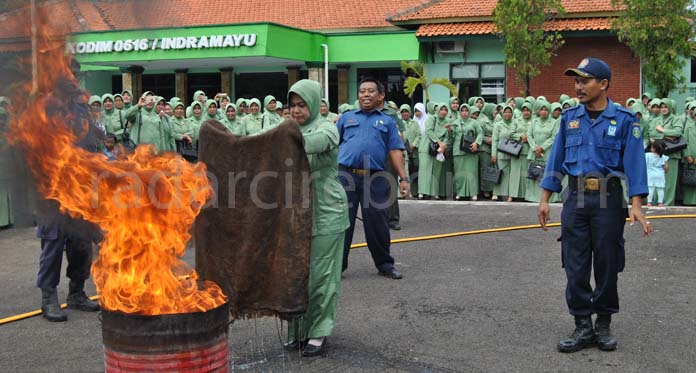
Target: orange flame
145	203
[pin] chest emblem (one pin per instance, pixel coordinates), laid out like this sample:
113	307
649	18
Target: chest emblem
574	124
611	131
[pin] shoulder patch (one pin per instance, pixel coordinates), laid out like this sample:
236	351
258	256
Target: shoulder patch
636	132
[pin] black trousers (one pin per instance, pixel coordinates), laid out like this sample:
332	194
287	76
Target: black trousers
592	225
371	194
79	254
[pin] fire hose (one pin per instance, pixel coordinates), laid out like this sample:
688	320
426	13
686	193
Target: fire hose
397	241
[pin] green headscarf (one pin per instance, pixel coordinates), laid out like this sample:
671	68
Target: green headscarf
94	99
430	107
110	97
267	101
310	92
193	116
197	94
209	102
629	100
406	107
488	110
554	106
342	108
570	102
563	98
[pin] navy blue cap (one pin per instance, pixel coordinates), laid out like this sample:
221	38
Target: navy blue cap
591	68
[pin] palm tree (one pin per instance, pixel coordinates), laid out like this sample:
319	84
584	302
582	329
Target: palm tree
416	76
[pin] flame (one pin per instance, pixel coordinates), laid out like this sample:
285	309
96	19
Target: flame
145	203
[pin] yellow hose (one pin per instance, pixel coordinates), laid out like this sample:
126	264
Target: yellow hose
400	240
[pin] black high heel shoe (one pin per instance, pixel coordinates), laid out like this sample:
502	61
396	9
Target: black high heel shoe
312	350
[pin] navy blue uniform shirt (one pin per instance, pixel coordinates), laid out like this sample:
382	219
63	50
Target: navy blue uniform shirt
611	145
366	138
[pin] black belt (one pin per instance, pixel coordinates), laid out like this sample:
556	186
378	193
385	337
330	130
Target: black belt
357	171
593	184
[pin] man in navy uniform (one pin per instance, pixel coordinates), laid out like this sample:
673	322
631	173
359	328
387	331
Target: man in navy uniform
598	143
367	137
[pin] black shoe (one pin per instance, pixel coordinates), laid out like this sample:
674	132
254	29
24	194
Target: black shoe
79	301
50	307
395	225
392	273
294	345
583	336
605	340
312	350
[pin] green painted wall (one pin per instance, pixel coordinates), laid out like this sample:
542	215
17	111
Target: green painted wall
98	82
438	70
373	47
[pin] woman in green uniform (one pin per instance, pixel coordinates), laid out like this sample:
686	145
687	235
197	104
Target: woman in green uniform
232	122
270	118
454	109
668	125
486	122
689	156
147	125
182	129
466	161
519	165
502	130
411	139
540	135
430	169
329	221
252	122
326	113
447	174
127	97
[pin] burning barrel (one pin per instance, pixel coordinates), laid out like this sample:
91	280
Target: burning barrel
190	342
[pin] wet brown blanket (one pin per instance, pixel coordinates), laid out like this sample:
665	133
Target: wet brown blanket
254	238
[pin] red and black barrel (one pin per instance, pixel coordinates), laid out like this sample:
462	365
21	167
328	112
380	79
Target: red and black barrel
186	342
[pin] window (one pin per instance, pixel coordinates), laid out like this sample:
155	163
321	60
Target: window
485	79
693	70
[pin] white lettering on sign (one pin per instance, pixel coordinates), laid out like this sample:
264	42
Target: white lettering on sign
166	43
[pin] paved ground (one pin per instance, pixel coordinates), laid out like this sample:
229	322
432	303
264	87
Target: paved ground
491	302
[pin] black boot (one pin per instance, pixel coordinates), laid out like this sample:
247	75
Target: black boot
50	307
582	337
605	341
77	299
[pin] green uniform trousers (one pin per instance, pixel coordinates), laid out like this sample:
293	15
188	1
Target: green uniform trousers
323	289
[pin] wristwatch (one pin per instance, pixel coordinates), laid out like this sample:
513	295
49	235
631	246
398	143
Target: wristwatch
406	179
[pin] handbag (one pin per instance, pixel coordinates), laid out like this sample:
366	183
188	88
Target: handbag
688	177
467	141
510	147
492	174
535	170
433	147
674	144
187	150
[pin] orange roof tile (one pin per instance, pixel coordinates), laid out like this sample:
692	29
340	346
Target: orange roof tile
102	15
435	9
482	28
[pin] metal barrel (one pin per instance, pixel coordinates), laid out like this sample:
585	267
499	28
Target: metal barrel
187	342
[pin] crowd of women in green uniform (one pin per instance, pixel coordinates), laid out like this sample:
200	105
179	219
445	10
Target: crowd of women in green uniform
534	122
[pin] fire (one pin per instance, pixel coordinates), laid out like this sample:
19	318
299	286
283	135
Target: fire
145	203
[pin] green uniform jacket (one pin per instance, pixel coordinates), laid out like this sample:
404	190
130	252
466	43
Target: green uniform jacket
434	131
181	127
502	130
412	134
690	136
153	129
270	117
466	127
487	128
542	133
521	127
672	127
329	202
